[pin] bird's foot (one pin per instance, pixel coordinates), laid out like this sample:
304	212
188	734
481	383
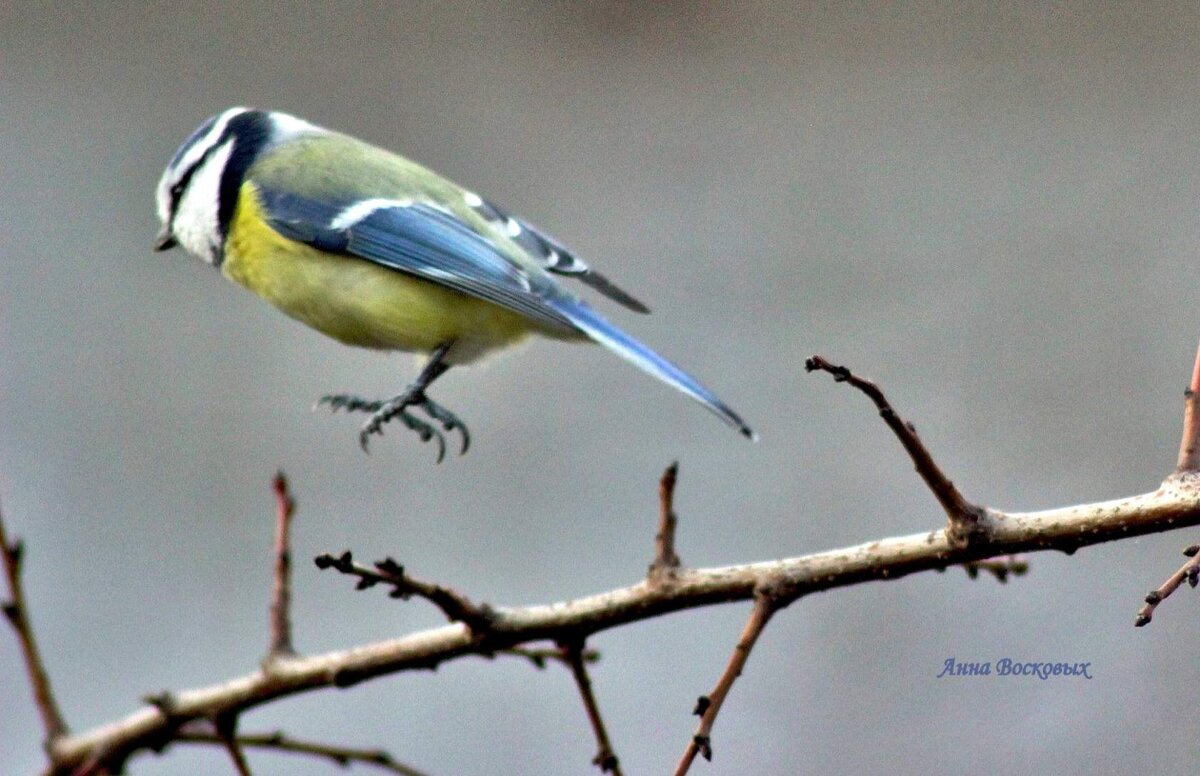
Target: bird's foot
349	403
450	422
383	412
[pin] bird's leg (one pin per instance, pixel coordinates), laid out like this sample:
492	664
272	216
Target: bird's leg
397	407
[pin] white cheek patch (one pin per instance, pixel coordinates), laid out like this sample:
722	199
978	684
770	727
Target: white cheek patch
363	210
196	225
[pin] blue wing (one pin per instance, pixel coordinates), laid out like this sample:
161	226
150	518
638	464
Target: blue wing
550	254
420	240
423	241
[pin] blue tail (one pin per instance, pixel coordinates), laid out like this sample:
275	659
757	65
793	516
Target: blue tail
600	330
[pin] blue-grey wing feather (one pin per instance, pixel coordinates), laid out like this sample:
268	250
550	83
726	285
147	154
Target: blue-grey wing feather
421	241
552	255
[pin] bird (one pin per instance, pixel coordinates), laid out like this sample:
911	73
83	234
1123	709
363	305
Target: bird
377	251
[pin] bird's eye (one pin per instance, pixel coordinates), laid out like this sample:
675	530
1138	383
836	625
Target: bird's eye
177	190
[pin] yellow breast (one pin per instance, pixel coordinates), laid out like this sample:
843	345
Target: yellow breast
357	302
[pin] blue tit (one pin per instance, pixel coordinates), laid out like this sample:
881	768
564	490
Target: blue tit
376	251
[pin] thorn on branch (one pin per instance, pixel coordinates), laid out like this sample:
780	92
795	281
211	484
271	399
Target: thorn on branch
666	561
1189	571
967	520
479	618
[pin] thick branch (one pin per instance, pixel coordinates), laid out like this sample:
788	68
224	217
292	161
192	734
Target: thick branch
1176	504
17	613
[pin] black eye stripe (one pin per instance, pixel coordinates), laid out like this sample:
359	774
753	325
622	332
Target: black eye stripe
181	185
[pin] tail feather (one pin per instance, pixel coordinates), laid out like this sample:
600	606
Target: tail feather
600	330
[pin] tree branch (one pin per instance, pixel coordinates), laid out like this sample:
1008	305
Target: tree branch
573	655
281	592
1189	445
278	742
973	534
666	561
708	706
967	520
1189	571
225	726
17	613
456	606
1176	504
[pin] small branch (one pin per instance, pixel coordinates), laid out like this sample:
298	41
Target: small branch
1189	445
1189	571
573	655
16	611
966	519
281	592
708	706
539	657
225	726
278	742
1000	568
456	606
666	561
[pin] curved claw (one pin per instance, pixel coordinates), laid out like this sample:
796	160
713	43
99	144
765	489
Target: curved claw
449	421
375	423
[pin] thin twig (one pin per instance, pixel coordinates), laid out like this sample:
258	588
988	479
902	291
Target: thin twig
281	591
573	654
966	518
16	611
666	561
1189	571
1189	445
708	706
540	657
279	742
1000	568
456	606
225	726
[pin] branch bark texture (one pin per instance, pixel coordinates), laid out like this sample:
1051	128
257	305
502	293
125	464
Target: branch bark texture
1176	504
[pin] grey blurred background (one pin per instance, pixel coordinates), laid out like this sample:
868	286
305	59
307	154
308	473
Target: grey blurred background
991	211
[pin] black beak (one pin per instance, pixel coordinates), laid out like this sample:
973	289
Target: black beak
165	240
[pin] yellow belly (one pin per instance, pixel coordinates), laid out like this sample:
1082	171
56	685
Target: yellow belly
360	303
